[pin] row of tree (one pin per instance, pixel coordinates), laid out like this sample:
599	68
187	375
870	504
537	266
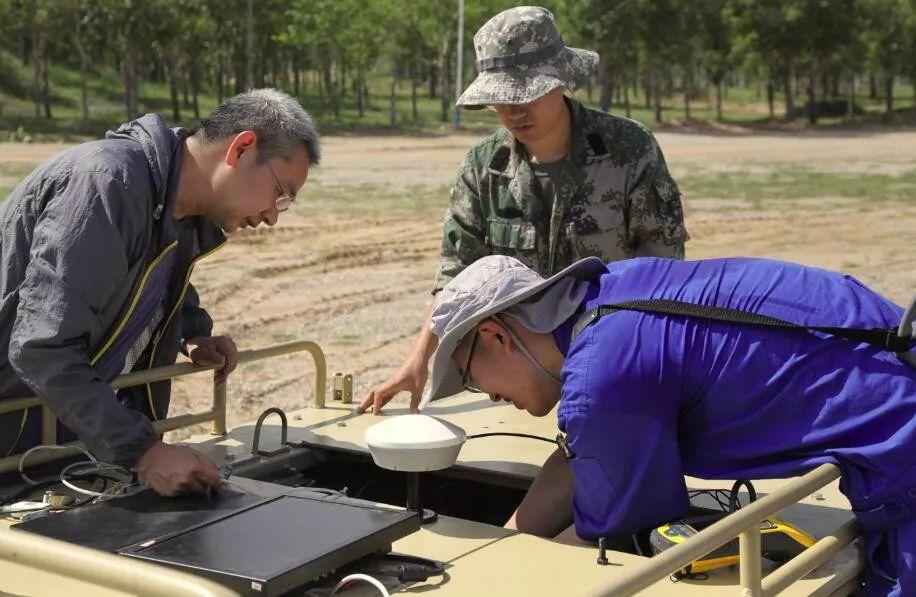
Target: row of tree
821	50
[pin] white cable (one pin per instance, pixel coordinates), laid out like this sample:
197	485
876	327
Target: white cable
92	466
119	489
47	447
63	479
363	577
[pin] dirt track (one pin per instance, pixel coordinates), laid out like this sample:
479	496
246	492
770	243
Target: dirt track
358	284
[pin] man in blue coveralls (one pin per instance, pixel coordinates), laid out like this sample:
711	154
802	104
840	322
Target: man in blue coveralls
646	398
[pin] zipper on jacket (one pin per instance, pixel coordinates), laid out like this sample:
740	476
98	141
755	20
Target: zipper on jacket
133	304
168	320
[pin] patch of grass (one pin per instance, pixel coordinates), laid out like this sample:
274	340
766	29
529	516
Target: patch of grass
800	183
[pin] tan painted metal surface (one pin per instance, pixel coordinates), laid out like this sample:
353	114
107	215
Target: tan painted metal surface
486	560
216	414
512	564
35	565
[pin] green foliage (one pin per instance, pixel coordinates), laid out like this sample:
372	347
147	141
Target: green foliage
88	59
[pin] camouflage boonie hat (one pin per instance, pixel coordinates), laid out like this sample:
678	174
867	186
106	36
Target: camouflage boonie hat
522	57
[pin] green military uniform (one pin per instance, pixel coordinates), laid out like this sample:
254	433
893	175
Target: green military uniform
612	198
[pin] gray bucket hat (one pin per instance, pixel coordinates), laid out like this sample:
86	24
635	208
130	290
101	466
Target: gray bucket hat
488	286
522	57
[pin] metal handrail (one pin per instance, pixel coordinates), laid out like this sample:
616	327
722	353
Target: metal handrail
744	524
102	569
216	413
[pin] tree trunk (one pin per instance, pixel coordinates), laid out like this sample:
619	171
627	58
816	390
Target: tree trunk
84	73
329	88
606	86
626	99
84	87
46	85
812	97
414	83
249	44
444	72
787	87
851	97
657	96
173	89
889	95
134	85
688	85
239	64
771	98
297	84
687	99
647	84
220	90
719	101
185	92
195	87
360	86
25	48
872	86
39	46
433	80
392	98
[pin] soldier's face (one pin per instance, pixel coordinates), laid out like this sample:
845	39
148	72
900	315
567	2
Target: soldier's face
535	121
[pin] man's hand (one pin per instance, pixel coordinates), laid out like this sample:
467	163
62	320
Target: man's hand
170	470
214	351
411	377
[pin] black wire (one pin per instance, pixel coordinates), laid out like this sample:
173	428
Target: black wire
529	436
733	501
720	496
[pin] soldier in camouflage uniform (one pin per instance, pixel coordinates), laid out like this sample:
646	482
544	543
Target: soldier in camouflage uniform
560	182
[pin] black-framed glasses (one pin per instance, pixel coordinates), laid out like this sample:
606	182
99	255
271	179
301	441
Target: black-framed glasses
285	199
466	380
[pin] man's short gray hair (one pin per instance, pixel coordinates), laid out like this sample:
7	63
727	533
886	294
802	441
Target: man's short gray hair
279	121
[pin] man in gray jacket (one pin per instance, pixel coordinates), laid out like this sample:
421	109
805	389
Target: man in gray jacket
97	246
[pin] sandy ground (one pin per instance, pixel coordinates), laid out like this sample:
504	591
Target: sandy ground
359	285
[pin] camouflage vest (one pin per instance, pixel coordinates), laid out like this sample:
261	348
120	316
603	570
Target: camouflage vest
616	200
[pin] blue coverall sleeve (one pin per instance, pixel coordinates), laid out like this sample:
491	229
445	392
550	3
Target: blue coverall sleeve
622	430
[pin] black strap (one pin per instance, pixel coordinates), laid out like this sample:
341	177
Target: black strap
881	338
520	59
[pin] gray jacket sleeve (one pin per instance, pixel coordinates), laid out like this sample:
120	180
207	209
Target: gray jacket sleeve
79	251
195	321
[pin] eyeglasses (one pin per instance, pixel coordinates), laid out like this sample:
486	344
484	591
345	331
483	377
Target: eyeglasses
285	199
466	380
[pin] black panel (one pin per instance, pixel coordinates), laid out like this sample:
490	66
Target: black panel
273	547
117	523
255	546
